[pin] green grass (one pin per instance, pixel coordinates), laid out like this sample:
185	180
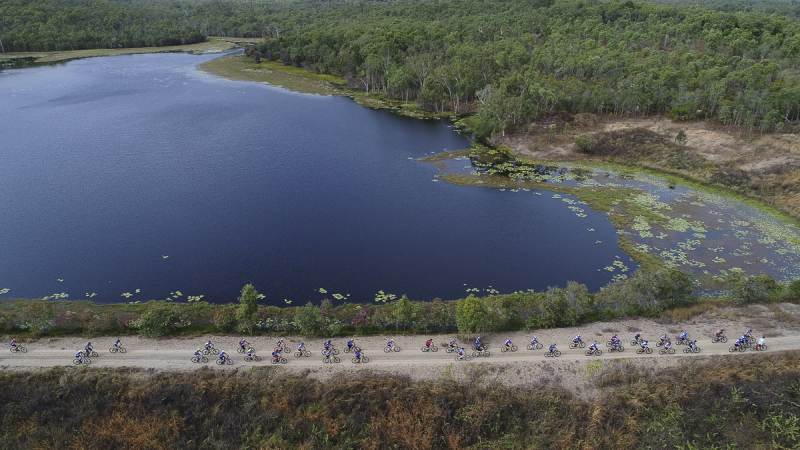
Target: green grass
299	79
292	78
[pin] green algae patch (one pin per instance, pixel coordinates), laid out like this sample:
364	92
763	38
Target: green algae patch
660	221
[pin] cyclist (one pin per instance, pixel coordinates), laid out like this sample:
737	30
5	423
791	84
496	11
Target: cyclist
719	334
243	344
693	344
118	344
13	343
762	342
534	341
552	348
390	344
223	356
593	347
683	337
478	344
301	347
644	344
357	354
350	344
453	343
327	345
208	346
276	355
461	354
508	344
429	343
577	339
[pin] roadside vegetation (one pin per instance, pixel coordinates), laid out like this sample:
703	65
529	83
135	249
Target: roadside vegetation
752	402
661	293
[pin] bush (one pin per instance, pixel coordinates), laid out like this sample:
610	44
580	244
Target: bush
646	293
471	315
404	312
792	293
160	320
308	320
248	308
754	289
585	144
555	311
225	318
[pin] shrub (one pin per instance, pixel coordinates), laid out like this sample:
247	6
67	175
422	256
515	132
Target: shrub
248	307
160	320
647	293
555	311
585	144
792	292
308	320
404	312
471	315
754	289
225	318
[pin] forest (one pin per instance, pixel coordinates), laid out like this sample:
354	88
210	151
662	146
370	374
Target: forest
511	62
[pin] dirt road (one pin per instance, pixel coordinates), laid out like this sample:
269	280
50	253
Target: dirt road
779	323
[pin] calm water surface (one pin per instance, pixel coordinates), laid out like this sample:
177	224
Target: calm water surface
140	172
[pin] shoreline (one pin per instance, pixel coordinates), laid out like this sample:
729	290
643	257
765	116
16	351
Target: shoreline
19	60
407	109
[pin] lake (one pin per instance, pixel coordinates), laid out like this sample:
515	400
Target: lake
134	177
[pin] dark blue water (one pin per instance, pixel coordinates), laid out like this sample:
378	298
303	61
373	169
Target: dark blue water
109	164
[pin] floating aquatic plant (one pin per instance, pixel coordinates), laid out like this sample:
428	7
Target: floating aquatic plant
384	297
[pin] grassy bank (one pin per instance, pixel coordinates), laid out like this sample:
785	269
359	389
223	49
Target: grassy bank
299	79
212	45
713	404
663	294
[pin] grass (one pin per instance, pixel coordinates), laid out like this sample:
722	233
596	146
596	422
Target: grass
292	78
212	45
707	403
299	79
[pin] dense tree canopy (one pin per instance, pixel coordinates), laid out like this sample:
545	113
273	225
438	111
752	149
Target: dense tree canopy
511	61
515	61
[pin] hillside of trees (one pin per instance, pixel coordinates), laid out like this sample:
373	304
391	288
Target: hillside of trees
511	61
790	8
47	25
516	61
